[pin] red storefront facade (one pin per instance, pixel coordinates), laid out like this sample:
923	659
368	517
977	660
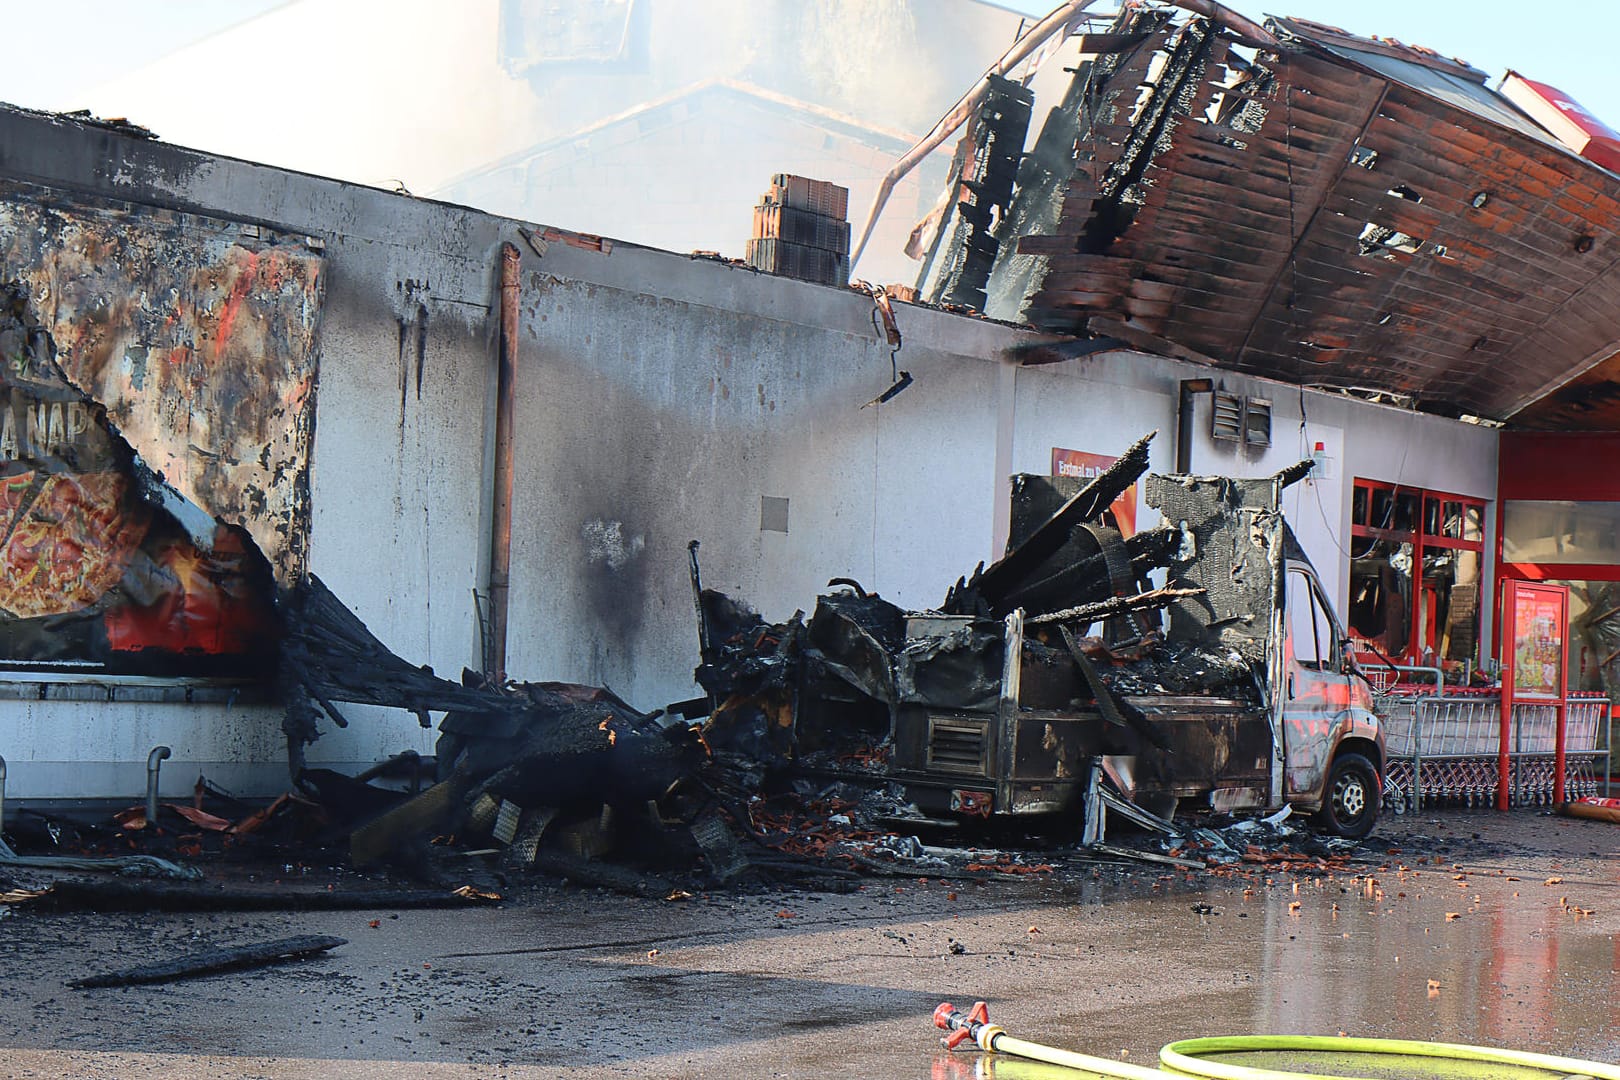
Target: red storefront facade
1558	521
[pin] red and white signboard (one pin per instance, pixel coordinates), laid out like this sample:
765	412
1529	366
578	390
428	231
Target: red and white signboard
1565	118
1535	656
1087	466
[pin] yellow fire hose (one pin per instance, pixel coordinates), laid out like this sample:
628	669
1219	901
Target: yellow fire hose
1187	1058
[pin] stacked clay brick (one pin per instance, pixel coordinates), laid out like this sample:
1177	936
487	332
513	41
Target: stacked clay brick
801	230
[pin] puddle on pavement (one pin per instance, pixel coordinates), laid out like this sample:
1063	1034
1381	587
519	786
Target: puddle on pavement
1409	957
1419	958
999	1067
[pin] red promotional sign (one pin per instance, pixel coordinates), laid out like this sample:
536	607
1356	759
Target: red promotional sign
1539	618
1086	466
1566	119
1535	658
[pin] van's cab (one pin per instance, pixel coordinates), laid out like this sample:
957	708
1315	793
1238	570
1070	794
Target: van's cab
1333	747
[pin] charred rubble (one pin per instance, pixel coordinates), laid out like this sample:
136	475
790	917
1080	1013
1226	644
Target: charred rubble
798	689
796	766
821	704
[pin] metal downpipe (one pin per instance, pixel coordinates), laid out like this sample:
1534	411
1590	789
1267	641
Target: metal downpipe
500	526
154	762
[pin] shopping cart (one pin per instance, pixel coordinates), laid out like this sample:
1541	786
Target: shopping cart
1444	748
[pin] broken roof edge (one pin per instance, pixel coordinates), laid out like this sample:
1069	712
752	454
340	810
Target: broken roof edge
147	170
1390	47
1192	366
307	204
1102	281
1593	360
1494	107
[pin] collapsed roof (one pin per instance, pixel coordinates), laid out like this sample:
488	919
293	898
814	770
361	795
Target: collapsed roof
1324	209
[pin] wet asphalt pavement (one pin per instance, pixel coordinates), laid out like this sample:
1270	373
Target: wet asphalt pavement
1506	939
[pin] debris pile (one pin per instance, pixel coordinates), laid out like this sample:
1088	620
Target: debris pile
792	686
854	684
825	746
817	733
1269	844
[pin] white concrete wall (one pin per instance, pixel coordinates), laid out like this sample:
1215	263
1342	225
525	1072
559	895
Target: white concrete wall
1103	403
661	402
659	398
83	750
397	481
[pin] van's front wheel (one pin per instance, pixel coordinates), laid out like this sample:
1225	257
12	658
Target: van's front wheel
1352	804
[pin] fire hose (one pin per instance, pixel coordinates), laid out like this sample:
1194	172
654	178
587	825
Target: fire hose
1188	1057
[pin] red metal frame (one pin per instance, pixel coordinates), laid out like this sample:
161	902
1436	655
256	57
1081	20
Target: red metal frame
1536	465
1559	571
1421	540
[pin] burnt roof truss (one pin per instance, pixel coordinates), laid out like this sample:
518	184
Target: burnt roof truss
1322	217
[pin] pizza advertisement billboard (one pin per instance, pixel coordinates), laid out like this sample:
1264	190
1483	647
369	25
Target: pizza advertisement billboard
95	573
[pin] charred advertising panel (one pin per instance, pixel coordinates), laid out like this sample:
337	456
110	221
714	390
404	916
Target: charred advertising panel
1231	551
95	574
156	378
197	336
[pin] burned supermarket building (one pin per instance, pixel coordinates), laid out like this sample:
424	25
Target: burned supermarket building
1271	243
